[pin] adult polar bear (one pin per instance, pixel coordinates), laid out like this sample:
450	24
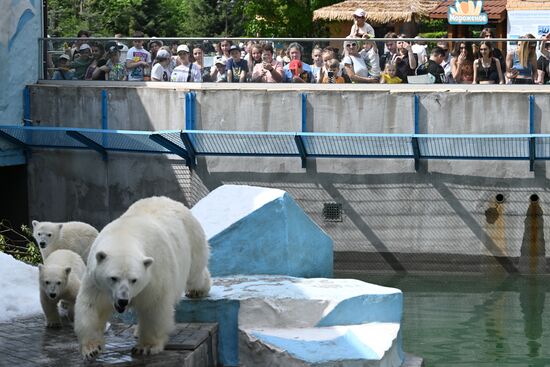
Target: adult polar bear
145	259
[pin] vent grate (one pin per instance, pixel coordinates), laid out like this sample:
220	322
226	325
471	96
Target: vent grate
332	212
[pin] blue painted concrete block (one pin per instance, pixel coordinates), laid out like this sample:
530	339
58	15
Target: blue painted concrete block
276	239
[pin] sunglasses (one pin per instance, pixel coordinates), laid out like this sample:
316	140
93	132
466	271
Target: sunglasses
351	45
462	47
483	49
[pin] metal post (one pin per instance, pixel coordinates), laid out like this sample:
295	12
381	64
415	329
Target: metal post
532	140
26	106
414	140
190	110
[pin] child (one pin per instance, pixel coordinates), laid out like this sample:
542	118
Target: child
161	71
114	69
332	76
220	73
236	67
138	59
63	72
388	76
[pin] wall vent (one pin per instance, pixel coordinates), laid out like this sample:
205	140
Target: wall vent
332	212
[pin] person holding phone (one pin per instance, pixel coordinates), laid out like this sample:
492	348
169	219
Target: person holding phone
332	76
269	70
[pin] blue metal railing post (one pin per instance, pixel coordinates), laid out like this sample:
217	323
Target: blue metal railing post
298	139
532	140
26	106
104	118
414	140
190	98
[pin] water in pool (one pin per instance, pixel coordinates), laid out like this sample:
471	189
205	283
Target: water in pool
467	321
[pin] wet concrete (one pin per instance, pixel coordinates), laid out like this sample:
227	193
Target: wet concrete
27	342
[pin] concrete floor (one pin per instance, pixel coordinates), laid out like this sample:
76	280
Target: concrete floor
27	342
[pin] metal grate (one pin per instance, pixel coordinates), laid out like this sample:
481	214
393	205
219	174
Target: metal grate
332	212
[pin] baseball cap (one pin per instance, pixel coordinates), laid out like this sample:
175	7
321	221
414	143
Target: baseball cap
234	48
84	46
295	64
359	13
163	54
183	48
112	46
64	56
157	41
219	62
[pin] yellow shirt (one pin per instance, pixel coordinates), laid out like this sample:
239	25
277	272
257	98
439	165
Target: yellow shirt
391	79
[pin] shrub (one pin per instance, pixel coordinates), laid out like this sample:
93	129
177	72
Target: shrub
19	243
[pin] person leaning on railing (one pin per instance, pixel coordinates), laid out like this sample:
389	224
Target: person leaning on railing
462	63
521	64
543	63
355	65
269	70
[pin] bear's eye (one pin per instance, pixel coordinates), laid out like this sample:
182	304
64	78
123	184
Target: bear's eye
39	234
114	279
133	281
58	283
47	282
49	234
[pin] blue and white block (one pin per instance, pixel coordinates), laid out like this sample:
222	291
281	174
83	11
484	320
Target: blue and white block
289	319
257	230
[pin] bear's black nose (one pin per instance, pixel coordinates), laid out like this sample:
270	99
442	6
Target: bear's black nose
121	304
52	295
42	244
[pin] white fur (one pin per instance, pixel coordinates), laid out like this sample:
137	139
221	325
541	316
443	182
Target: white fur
59	279
74	236
147	257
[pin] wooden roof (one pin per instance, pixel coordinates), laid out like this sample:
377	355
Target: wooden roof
495	9
378	12
527	5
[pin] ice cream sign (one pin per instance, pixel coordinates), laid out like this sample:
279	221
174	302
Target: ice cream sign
467	12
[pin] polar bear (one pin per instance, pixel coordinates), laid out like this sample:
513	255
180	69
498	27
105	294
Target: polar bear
74	236
145	259
59	279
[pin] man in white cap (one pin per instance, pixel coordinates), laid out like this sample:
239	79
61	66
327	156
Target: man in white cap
360	28
80	64
186	71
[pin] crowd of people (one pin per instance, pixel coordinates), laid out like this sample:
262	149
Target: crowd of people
361	60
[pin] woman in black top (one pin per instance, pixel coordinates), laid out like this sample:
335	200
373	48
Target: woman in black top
487	69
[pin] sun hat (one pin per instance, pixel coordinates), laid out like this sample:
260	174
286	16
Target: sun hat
155	40
65	56
219	62
183	48
84	46
359	13
112	46
163	54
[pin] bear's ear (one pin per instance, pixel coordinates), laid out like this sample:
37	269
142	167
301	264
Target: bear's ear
147	262
67	270
35	223
40	266
100	256
59	226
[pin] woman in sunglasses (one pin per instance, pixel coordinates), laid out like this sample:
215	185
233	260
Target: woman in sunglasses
355	65
462	63
487	68
521	64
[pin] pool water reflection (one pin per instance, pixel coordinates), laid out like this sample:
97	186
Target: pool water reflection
463	320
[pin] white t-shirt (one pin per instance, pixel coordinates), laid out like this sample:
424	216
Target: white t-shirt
135	55
181	73
359	66
360	31
372	60
160	73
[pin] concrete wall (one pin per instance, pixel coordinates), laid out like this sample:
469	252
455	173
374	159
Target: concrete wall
443	217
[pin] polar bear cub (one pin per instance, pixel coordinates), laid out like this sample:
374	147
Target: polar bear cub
145	259
59	281
74	236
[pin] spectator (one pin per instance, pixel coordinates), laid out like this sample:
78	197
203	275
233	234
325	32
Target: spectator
224	48
94	71
236	67
355	65
161	70
63	71
389	76
317	63
391	53
369	53
154	45
81	63
360	28
329	54
123	49
487	69
283	58
198	57
138	59
446	64
75	49
521	64
462	63
333	73
433	66
270	70
295	51
220	73
419	49
543	63
115	66
253	58
186	71
405	60
488	33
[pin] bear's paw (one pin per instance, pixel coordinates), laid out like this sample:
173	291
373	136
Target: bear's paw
53	324
90	350
196	293
147	349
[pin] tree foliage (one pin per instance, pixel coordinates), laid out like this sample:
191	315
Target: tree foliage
185	18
